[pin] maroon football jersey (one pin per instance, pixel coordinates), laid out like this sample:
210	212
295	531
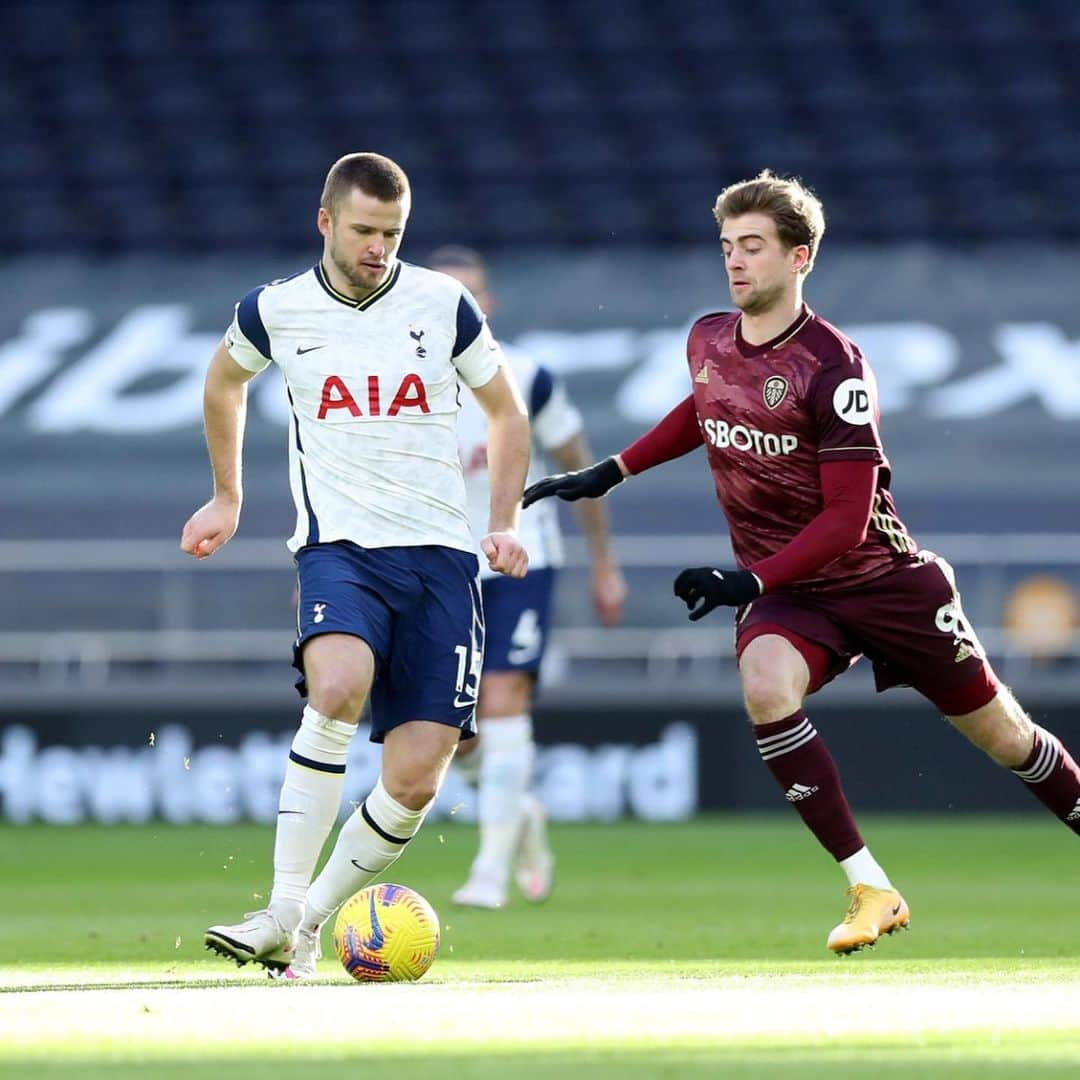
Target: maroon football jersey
770	414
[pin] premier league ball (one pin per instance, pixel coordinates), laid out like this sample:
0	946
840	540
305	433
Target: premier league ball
386	933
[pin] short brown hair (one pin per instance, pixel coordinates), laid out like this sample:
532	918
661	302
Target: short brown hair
373	174
796	210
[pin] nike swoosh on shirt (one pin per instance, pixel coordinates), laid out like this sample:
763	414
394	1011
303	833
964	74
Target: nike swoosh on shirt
310	348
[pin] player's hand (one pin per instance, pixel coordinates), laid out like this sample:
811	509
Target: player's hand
608	591
588	483
728	588
211	526
505	554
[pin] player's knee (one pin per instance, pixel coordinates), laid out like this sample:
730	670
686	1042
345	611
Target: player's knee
774	678
338	696
413	790
768	697
770	684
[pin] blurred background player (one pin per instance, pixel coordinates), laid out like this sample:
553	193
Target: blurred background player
516	619
787	409
372	351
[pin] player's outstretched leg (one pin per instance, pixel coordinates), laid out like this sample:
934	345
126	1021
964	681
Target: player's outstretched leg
775	677
1037	757
505	769
310	798
415	758
800	761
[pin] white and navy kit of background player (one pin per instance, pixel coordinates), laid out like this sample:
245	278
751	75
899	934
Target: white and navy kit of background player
517	610
382	542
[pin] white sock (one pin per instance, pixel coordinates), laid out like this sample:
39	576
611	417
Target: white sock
310	799
505	770
862	869
373	838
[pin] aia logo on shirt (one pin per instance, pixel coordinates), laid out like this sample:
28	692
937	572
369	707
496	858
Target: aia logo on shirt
410	394
774	391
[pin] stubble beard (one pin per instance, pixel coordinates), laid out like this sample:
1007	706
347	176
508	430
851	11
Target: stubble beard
350	273
759	302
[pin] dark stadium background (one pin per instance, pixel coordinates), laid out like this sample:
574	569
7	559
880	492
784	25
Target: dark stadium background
160	158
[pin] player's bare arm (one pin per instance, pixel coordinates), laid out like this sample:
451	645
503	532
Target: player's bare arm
608	583
224	413
508	465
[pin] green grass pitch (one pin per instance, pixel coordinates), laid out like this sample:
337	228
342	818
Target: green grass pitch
666	951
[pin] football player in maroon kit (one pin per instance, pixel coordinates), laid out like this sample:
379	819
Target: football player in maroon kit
786	407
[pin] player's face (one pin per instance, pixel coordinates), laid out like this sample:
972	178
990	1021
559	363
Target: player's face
362	237
474	280
761	271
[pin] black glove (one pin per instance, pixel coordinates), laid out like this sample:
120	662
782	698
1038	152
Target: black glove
588	483
732	588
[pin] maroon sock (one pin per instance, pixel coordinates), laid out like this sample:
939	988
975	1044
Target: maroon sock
799	759
1053	778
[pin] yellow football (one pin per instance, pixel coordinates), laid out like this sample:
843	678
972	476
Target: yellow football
386	933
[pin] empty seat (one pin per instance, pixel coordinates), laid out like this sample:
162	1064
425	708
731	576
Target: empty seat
523	115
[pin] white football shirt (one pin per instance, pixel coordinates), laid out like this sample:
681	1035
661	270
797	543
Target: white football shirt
553	420
373	390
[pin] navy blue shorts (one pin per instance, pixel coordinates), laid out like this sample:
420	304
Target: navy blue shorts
517	612
419	608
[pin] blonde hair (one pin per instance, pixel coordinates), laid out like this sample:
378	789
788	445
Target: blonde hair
795	209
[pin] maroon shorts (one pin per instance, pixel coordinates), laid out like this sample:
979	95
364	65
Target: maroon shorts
908	622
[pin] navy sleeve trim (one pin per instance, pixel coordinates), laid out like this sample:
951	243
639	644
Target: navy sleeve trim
542	388
470	319
250	322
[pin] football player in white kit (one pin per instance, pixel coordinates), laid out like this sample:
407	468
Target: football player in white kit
513	834
372	350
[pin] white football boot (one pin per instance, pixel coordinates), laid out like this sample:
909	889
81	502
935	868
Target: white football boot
260	938
482	890
535	869
306	957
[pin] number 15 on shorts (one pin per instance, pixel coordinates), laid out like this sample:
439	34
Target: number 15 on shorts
470	663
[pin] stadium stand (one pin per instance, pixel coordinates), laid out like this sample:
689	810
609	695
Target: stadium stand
539	123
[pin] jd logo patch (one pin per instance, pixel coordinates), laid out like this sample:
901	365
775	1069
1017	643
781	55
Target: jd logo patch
775	390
